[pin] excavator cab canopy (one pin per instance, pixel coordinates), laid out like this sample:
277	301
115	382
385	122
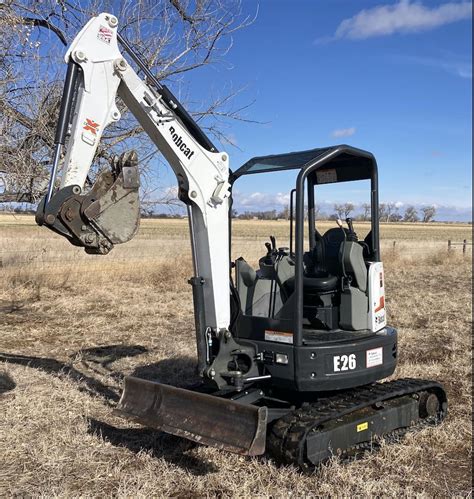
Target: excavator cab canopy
325	165
347	163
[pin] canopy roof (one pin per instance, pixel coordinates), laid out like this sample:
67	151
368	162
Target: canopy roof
335	164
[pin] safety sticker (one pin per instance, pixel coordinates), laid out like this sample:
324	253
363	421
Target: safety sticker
326	176
279	336
374	357
362	426
105	34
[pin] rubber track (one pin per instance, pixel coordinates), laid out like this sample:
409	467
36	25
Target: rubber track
287	437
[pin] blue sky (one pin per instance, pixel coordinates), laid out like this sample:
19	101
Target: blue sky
392	77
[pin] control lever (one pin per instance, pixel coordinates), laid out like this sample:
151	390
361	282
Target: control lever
273	240
350	224
352	234
268	259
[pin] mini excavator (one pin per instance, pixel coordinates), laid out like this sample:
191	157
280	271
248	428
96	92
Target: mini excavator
290	354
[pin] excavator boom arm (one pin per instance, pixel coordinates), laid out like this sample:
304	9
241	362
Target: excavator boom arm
97	74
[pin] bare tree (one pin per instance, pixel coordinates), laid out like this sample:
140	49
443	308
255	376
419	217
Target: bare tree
317	211
390	211
366	213
348	209
411	214
339	209
382	211
284	213
343	210
396	216
175	37
428	213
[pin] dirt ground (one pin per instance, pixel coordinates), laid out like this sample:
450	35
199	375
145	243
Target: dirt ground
72	325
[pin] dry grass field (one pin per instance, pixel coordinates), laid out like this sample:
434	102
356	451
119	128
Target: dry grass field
72	325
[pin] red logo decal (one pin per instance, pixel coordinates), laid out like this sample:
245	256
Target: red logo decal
381	304
104	34
91	126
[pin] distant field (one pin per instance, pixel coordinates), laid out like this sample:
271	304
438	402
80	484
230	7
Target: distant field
160	239
72	325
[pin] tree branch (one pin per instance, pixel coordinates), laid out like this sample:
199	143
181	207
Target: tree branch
43	23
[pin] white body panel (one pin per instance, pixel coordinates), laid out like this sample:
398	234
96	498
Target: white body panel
205	174
377	312
95	107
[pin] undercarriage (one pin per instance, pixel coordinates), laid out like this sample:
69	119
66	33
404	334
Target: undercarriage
301	431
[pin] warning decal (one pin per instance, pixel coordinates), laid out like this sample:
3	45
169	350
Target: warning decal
362	426
278	336
105	34
326	176
374	357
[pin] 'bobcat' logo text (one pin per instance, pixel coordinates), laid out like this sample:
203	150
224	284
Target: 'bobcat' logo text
178	140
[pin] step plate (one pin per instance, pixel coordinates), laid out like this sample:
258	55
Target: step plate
202	418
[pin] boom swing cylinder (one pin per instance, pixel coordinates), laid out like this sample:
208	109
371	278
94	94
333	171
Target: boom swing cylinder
290	354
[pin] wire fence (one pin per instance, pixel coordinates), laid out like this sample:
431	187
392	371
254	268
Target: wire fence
49	257
465	243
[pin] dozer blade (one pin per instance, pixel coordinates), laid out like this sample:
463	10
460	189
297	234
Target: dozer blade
203	418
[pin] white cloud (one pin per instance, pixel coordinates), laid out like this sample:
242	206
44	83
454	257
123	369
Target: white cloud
344	132
262	200
402	17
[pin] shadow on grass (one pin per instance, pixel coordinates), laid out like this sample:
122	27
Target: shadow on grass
7	383
105	355
97	358
177	371
88	384
55	367
157	444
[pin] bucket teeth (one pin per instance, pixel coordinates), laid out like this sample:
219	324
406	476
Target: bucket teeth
203	418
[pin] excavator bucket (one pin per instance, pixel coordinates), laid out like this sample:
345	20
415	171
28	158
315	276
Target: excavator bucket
107	215
203	418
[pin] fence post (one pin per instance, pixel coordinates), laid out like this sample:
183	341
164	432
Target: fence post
464	244
394	244
449	244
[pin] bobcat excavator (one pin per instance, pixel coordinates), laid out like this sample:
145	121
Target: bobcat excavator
290	354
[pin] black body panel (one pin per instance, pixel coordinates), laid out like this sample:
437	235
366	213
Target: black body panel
311	367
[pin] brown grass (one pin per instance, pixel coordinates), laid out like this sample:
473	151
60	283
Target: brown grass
72	325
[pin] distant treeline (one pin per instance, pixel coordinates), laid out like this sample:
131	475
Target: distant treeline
388	212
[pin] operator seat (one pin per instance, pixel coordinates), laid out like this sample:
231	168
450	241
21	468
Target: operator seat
322	263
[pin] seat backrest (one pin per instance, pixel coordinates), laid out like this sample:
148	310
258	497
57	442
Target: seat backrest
354	264
258	292
245	281
332	240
